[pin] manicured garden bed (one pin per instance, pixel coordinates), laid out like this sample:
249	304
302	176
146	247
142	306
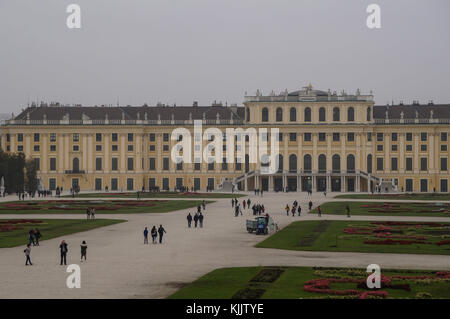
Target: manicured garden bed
156	195
100	206
363	236
14	232
386	208
307	282
400	196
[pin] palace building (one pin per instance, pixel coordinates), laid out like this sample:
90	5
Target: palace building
327	142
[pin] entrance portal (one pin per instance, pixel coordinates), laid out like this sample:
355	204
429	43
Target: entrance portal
321	184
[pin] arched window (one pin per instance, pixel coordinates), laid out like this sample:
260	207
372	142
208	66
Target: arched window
280	163
307	114
351	114
307	163
279	115
247	163
292	163
322	115
351	163
369	163
336	162
369	114
336	114
322	163
76	164
293	114
265	114
248	114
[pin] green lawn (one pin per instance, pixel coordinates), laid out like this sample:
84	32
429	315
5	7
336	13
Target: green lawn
416	196
101	206
289	283
16	234
386	208
157	195
363	236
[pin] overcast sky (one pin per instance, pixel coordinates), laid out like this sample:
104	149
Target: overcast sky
178	51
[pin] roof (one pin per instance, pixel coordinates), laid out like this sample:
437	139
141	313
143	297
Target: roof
428	111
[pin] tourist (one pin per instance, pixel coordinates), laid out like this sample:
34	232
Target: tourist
236	210
232	203
161	232
299	210
93	213
203	205
154	234
37	236
145	236
293	211
287	209
310	204
199	209
63	250
248	202
196	219
325	194
31	237
189	219
347	208
27	252
243	203
88	213
319	211
263	209
84	250
200	219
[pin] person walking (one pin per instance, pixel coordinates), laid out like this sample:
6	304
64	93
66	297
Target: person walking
93	213
63	249
37	236
203	205
31	237
319	211
196	219
154	234
161	232
310	205
200	219
244	202
145	236
189	219
293	211
287	210
347	208
299	210
232	203
27	252
84	249
236	210
88	213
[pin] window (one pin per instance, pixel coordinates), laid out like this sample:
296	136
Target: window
292	137
409	137
37	163
408	147
179	164
114	184
152	148
52	148
238	165
307	163
369	137
394	164
152	137
423	163
350	163
394	147
52	184
409	184
443	163
19	148
379	137
248	114
409	165
394	137
279	114
98	164
130	163
443	148
336	114
443	136
165	183
369	163
293	114
369	114
444	186
423	136
130	184
307	137
336	163
264	114
76	164
114	164
166	137
210	164
76	148
224	164
292	163
379	163
52	163
130	137
322	115
166	163
165	148
322	137
350	137
20	137
423	147
98	148
114	148
351	114
36	137
322	163
98	137
130	148
197	164
280	137
114	137
308	114
379	147
52	137
336	137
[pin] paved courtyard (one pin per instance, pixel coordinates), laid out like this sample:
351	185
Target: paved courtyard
119	265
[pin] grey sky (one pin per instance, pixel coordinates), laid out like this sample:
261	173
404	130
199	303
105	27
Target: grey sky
178	51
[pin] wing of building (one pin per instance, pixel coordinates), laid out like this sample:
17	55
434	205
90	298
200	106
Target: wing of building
327	142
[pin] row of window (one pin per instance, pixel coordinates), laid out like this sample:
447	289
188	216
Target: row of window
409	164
308	113
409	137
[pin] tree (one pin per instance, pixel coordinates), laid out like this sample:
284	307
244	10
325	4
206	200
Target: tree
31	181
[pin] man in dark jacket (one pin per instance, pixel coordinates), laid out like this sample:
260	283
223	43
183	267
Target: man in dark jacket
161	232
200	219
63	249
189	219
